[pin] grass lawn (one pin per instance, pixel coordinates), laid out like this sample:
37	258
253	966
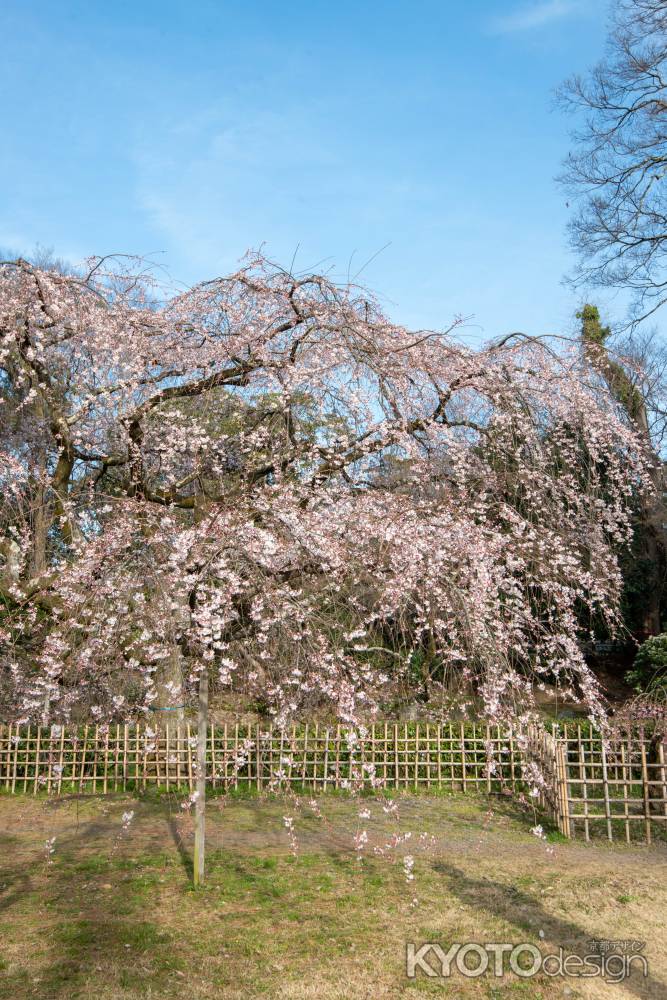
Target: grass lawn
113	914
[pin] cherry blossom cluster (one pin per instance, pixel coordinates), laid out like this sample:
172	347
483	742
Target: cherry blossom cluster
264	478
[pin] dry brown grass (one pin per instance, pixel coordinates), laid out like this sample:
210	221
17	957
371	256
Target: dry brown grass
114	915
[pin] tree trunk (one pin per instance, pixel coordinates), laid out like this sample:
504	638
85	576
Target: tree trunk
170	691
653	548
41	523
651	514
200	800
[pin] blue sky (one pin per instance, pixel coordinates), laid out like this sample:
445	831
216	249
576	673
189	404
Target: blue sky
199	130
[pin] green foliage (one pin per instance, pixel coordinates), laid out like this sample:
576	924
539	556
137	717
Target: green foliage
592	330
649	671
594	335
638	570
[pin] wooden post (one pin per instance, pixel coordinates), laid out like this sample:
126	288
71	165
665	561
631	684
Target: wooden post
126	763
225	756
645	789
37	751
563	788
179	743
8	755
61	758
583	782
292	754
144	757
416	754
625	792
106	761
305	754
84	750
157	753
326	758
17	739
463	758
605	788
337	785
26	758
95	758
200	801
663	783
189	758
48	780
397	776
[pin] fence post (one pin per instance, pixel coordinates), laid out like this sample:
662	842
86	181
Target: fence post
463	758
583	782
563	789
645	788
663	784
605	788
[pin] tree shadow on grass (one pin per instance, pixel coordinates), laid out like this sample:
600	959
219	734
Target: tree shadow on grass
506	901
92	925
15	882
183	853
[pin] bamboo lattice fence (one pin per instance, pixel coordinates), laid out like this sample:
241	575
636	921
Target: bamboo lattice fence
588	785
617	787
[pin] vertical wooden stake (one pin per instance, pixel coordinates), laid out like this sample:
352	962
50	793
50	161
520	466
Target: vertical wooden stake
189	752
337	765
8	755
625	793
583	780
605	787
61	758
95	755
26	758
236	755
17	738
305	754
488	761
326	758
645	789
416	755
564	810
106	760
39	743
84	751
663	784
463	758
397	781
200	801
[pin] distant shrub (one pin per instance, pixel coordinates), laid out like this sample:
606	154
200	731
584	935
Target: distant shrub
649	671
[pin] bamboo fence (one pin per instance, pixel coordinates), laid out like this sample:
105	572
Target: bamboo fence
614	787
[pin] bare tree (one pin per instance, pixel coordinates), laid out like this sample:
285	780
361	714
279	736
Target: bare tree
643	354
616	171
